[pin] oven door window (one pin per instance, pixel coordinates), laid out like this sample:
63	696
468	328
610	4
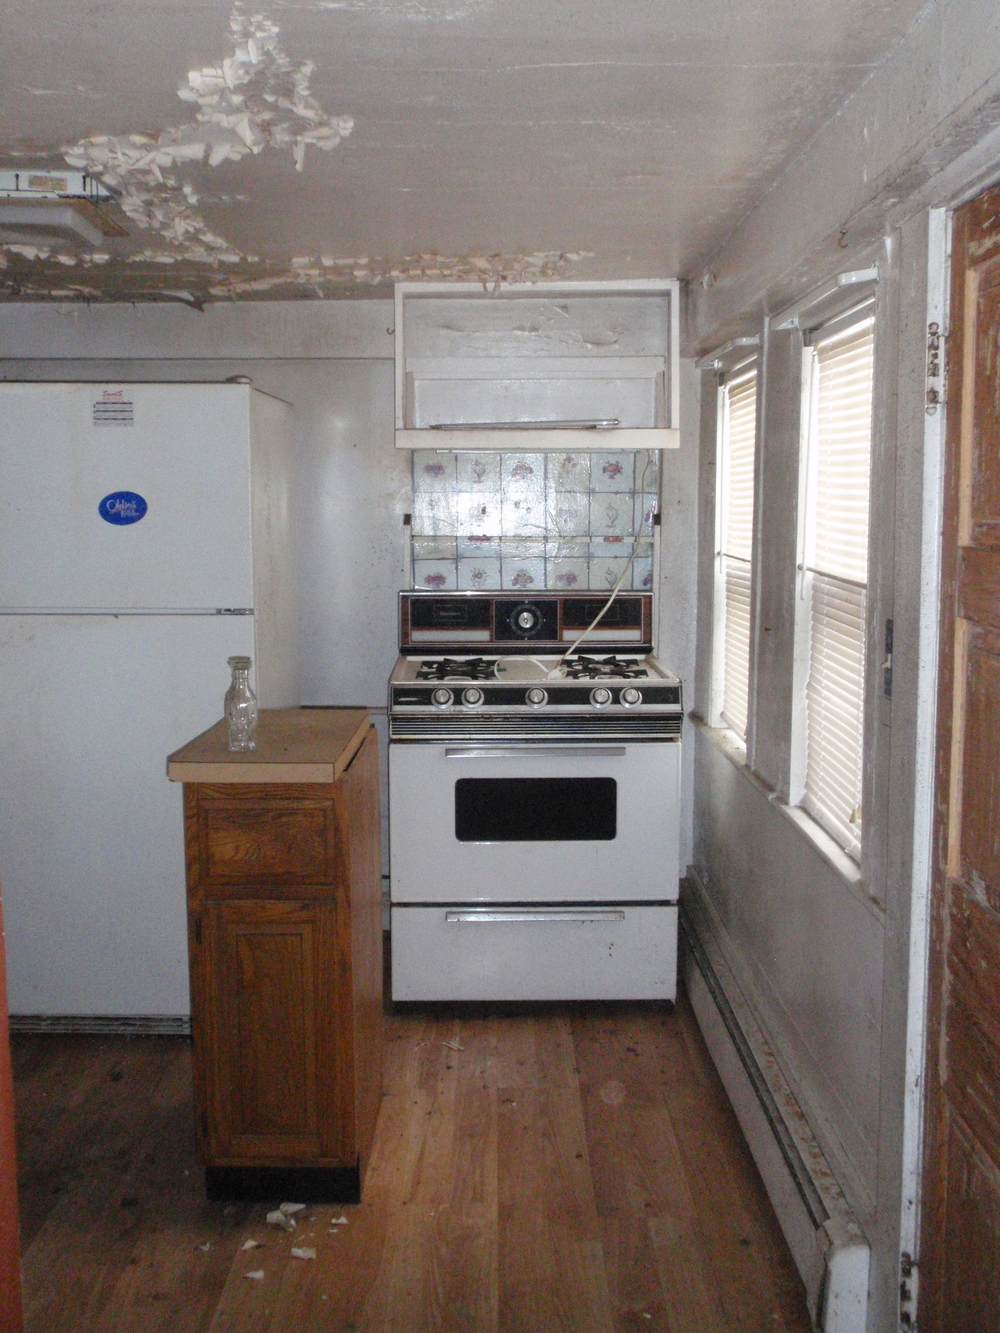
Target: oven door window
536	809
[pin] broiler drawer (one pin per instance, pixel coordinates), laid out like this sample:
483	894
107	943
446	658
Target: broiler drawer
608	952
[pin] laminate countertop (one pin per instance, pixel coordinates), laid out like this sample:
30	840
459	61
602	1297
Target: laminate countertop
293	745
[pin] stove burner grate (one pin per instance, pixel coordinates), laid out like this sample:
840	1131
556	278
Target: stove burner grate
597	668
461	668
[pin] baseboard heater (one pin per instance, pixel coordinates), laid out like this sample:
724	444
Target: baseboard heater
827	1244
100	1025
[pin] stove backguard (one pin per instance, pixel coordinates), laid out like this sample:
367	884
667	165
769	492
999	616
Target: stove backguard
471	623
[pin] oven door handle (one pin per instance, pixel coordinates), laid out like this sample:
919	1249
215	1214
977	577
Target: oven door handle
541	751
489	916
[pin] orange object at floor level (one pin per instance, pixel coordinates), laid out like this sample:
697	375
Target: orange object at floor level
11	1315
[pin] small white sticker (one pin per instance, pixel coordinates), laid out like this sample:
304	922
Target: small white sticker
114	409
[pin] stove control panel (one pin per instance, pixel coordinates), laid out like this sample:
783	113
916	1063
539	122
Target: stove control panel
479	621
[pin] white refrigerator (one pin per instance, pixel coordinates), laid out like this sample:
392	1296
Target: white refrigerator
146	534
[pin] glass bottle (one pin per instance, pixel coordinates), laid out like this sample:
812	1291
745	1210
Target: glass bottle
241	707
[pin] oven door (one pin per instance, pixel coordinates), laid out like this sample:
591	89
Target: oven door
522	823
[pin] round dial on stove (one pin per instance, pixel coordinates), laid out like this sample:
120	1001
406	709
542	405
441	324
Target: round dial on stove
536	697
441	698
630	696
472	697
525	619
600	697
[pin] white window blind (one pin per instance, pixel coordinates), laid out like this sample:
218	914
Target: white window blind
736	542
836	578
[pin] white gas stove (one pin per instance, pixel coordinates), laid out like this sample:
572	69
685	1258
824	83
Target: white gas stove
534	800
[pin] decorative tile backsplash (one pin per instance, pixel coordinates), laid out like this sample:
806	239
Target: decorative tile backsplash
530	522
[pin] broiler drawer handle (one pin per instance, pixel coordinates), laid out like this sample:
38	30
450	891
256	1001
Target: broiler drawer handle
489	917
535	752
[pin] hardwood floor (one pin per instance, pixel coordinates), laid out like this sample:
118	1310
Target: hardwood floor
539	1169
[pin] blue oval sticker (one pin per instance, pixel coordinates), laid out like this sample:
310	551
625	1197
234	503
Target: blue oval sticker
122	508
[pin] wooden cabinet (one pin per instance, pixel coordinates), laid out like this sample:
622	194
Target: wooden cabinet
285	939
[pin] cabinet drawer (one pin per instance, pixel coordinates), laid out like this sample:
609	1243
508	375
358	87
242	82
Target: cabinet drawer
270	841
534	953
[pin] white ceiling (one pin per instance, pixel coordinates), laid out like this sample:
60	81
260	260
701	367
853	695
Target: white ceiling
584	138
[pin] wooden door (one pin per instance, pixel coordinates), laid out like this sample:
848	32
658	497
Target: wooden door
265	979
960	1246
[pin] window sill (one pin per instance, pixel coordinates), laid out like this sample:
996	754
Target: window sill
843	865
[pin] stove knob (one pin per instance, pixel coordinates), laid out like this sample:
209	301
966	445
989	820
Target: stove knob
536	697
441	698
630	695
472	697
600	697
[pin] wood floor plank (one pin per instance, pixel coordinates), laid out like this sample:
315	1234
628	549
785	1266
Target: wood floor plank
63	1125
665	1147
438	1265
551	1262
89	1236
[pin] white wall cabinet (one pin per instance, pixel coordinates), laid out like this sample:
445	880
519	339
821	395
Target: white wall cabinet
556	366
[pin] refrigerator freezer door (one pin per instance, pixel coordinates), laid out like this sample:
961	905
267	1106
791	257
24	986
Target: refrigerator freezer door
91	831
183	448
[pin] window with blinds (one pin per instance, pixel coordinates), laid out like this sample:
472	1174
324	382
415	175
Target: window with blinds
836	578
739	436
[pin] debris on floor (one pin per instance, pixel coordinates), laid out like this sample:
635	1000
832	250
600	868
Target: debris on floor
303	1252
250	1245
453	1045
255	1273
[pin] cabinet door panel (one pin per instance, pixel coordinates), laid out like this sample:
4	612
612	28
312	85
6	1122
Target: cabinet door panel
272	1009
257	841
265	1005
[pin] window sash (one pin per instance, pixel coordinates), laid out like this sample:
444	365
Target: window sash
739	439
835	570
736	643
835	708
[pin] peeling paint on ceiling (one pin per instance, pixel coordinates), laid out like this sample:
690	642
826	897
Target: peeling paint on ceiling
332	146
253	99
